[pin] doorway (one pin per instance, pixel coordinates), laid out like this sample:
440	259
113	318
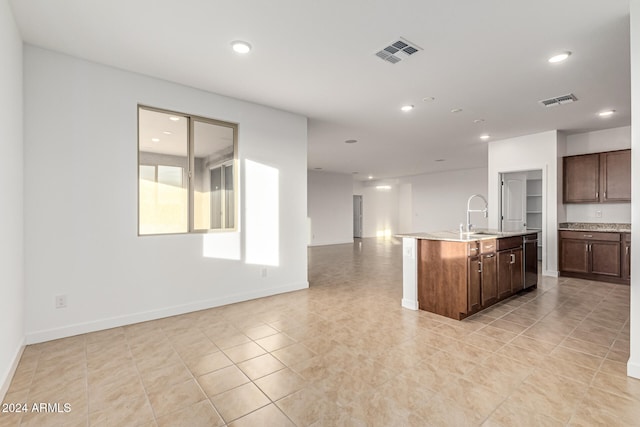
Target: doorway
357	216
521	203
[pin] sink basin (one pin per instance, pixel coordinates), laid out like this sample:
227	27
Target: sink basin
483	233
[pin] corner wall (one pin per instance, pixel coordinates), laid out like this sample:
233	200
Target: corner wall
81	203
633	366
330	208
11	198
530	152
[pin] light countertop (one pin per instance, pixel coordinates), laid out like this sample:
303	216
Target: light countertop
595	226
456	236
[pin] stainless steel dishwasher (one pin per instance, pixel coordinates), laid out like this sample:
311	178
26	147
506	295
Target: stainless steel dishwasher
530	264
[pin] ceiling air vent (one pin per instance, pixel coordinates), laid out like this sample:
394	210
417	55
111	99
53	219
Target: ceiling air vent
559	100
397	51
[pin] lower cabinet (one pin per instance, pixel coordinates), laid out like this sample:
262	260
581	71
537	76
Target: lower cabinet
489	283
483	288
510	278
626	257
595	255
457	279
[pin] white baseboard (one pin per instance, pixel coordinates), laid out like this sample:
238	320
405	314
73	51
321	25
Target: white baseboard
410	304
114	322
337	242
633	369
550	273
5	381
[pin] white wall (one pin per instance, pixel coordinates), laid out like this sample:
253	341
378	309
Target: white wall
81	202
439	200
600	140
330	207
11	198
380	208
594	142
530	152
633	367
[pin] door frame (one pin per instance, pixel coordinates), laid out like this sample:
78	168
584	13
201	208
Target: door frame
545	180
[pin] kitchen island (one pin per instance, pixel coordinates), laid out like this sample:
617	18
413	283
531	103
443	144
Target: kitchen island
457	274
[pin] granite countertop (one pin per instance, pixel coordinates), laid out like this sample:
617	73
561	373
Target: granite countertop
595	226
456	236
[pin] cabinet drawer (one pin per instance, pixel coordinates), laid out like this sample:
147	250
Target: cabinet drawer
509	243
627	237
473	248
487	246
590	235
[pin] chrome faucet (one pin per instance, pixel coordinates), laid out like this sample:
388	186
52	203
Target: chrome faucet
484	211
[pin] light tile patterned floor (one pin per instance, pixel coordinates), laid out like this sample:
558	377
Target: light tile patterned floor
344	353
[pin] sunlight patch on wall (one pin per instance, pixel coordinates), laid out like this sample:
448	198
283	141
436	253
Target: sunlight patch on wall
262	214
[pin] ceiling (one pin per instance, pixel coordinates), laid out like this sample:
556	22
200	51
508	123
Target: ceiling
317	58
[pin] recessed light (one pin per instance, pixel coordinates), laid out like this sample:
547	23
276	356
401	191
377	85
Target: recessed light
485	137
370	177
607	113
351	141
240	46
559	57
429	99
166	132
383	187
456	110
155	139
406	108
478	121
174	118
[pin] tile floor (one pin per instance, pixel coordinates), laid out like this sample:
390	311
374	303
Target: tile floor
344	353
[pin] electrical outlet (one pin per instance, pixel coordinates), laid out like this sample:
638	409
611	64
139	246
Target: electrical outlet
598	214
263	272
61	301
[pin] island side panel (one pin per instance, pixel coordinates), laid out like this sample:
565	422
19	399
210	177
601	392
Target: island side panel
409	273
442	277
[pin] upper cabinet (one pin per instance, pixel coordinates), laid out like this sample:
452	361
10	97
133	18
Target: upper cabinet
615	182
597	178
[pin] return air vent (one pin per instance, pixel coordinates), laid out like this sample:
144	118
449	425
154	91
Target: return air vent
398	50
560	100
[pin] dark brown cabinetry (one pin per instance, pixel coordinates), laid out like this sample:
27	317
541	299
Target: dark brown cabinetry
581	179
594	255
510	271
597	178
457	279
626	256
616	176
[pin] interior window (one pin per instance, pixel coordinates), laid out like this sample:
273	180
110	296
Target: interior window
187	178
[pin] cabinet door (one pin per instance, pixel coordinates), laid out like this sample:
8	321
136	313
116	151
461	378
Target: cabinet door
626	261
581	182
489	289
517	279
504	274
616	176
474	268
605	258
574	256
